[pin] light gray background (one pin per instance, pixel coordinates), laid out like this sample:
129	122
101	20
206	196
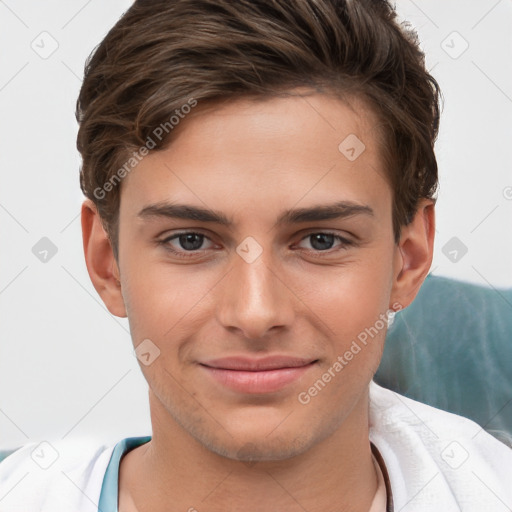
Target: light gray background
67	367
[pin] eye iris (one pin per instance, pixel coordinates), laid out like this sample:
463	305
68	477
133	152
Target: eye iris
324	239
188	239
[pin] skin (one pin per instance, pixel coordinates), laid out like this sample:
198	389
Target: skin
213	448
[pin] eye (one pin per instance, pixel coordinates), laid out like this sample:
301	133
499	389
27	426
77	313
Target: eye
323	241
185	242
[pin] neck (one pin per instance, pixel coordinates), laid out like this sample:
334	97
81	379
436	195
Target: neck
336	473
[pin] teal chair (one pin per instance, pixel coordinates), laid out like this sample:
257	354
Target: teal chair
452	349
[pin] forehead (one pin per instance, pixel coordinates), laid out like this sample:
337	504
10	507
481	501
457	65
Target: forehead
256	155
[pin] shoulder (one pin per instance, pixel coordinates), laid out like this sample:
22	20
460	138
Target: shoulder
438	459
57	475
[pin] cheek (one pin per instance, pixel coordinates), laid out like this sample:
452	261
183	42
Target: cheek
163	303
148	300
351	307
352	297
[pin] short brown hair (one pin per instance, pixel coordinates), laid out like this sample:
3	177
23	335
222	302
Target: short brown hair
163	55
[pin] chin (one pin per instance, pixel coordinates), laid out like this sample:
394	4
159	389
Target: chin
265	450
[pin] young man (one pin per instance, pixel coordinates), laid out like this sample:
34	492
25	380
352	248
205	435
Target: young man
260	181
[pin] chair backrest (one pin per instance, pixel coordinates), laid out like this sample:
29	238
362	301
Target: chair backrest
452	349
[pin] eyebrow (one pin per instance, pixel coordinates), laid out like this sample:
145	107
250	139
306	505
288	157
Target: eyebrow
338	210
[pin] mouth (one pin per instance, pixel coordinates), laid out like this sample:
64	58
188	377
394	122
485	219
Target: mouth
264	375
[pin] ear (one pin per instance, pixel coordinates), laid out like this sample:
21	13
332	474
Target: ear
413	255
99	258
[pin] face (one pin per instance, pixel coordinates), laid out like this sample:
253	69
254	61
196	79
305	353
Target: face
257	256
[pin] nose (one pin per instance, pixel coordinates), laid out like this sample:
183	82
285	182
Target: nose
255	297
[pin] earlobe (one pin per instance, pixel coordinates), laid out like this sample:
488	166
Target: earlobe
101	263
413	256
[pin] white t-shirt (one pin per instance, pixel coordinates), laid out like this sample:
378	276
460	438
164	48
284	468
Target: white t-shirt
434	461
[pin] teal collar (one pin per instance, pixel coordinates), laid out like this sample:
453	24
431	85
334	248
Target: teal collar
110	487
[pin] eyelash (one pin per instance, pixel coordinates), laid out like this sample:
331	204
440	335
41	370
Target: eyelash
190	254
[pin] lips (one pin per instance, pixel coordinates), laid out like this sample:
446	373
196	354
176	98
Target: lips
266	363
264	375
